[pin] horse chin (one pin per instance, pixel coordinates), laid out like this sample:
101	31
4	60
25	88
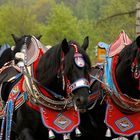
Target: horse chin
80	109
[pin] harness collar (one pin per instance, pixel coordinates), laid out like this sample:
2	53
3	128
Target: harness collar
123	102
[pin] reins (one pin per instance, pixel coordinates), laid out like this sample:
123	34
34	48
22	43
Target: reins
113	96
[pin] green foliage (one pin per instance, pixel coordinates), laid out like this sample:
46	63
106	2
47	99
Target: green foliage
86	28
71	19
42	9
112	26
16	20
61	24
88	9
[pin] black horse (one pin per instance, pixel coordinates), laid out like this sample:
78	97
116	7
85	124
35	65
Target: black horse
62	71
127	75
121	89
7	71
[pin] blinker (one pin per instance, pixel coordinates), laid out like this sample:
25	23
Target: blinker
78	59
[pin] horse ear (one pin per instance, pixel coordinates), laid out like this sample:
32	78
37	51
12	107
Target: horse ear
138	41
65	46
85	43
15	37
38	37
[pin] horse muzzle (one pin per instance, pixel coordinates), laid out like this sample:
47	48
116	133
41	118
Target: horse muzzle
81	102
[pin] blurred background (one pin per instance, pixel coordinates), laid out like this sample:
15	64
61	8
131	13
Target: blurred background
101	20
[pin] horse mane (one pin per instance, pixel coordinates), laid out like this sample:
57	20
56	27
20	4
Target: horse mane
126	54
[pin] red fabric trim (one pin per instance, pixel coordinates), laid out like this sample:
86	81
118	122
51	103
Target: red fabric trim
33	106
114	63
21	84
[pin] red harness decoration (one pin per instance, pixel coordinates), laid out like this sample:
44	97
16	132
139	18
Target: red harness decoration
34	73
18	99
122	121
60	122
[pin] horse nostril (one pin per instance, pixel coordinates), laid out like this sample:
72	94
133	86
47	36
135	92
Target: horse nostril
81	101
78	101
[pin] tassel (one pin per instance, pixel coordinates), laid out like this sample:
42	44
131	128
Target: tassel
136	137
66	137
78	132
108	132
51	134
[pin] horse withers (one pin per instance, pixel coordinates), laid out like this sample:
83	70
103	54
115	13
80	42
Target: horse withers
56	84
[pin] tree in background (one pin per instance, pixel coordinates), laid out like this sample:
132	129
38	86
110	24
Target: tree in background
73	19
104	30
17	20
61	24
42	9
114	24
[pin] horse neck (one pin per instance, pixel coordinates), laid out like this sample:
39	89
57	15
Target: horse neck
125	81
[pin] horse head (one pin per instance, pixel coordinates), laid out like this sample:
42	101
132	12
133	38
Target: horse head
66	67
121	83
20	41
63	70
